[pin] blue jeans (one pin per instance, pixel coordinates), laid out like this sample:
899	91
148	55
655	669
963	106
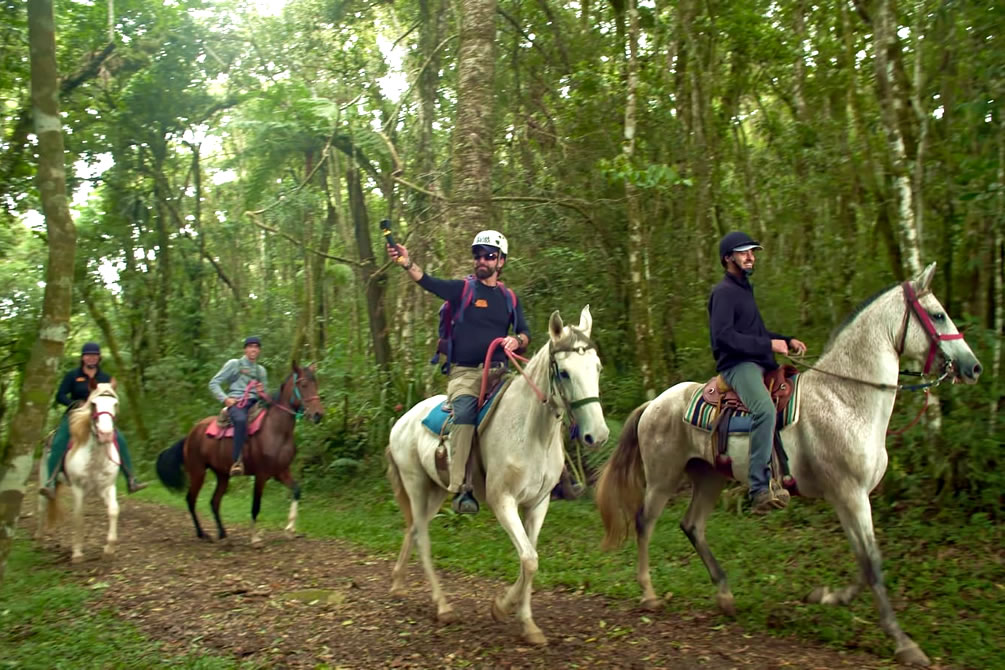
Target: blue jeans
747	379
239	417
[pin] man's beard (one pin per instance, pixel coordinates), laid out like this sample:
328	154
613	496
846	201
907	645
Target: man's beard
748	272
484	272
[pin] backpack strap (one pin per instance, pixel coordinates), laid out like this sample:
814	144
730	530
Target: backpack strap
467	295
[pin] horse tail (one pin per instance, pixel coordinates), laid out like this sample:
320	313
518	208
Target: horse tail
398	486
169	466
622	484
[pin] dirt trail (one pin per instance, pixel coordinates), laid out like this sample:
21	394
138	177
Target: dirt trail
259	604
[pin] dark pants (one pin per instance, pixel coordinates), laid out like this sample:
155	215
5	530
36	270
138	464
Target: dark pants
747	379
239	417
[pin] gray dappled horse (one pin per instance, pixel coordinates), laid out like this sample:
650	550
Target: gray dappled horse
522	453
91	466
837	449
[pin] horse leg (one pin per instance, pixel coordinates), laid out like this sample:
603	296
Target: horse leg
256	506
706	485
509	518
652	507
112	504
196	478
222	481
855	514
425	506
291	519
78	525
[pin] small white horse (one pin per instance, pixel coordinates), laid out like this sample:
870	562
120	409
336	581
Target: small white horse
522	454
837	449
91	467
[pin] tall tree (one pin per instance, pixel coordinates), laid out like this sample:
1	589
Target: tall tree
42	369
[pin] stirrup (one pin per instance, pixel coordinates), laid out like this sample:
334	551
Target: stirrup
48	493
237	469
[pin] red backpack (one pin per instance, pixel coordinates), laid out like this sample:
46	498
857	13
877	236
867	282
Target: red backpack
449	317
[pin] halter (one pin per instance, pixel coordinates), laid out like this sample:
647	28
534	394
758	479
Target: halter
298	410
934	337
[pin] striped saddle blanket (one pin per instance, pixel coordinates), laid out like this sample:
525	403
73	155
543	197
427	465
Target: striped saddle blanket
702	414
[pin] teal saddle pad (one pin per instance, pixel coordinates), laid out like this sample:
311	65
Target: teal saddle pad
440	418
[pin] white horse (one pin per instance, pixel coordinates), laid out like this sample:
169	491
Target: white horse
837	449
522	454
91	467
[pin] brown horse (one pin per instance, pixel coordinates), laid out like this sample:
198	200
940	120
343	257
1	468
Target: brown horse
267	453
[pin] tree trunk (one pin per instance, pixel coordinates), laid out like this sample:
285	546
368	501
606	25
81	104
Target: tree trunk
638	265
42	369
471	201
374	283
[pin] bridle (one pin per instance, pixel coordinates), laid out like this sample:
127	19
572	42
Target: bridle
298	409
555	377
934	337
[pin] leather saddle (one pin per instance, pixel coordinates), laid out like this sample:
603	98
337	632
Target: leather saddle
718	393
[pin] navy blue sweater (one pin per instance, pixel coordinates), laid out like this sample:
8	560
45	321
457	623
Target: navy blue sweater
485	319
77	386
736	328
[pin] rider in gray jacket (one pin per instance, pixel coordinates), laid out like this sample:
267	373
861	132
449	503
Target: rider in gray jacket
244	380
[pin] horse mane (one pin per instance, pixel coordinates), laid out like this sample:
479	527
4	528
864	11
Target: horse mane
854	314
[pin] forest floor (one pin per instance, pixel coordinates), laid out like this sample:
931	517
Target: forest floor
308	603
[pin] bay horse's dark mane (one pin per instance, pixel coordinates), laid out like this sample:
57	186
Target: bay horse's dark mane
854	313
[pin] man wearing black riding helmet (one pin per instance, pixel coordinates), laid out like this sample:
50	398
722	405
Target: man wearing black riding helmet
744	350
74	390
491	310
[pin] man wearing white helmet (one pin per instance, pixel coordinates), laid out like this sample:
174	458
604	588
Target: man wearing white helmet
482	310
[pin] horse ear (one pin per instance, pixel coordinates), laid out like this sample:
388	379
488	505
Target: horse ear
586	320
924	280
296	367
555	325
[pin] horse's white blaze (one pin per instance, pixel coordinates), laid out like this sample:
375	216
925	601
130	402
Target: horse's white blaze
837	449
521	451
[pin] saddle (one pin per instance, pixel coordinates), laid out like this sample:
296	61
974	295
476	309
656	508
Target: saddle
778	382
223	427
727	403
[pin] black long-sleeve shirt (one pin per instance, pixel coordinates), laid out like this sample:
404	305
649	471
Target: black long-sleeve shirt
485	318
77	386
736	328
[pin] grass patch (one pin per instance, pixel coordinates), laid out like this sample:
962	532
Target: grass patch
48	621
946	579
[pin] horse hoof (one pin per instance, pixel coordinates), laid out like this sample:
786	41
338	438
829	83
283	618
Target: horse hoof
77	560
726	604
536	638
109	552
446	616
912	655
652	604
498	613
398	591
817	595
255	541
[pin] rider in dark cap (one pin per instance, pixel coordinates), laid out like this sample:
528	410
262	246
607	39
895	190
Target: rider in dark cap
238	385
744	350
76	387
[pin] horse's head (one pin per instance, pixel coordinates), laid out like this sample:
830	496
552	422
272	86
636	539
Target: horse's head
103	405
575	372
304	394
930	335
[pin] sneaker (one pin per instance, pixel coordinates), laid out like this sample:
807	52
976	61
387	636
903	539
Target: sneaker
237	469
464	503
133	486
765	501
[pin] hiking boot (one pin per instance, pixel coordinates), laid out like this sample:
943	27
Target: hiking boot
48	492
132	486
464	503
765	501
237	469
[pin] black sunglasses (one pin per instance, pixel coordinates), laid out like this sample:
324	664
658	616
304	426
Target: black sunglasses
491	256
